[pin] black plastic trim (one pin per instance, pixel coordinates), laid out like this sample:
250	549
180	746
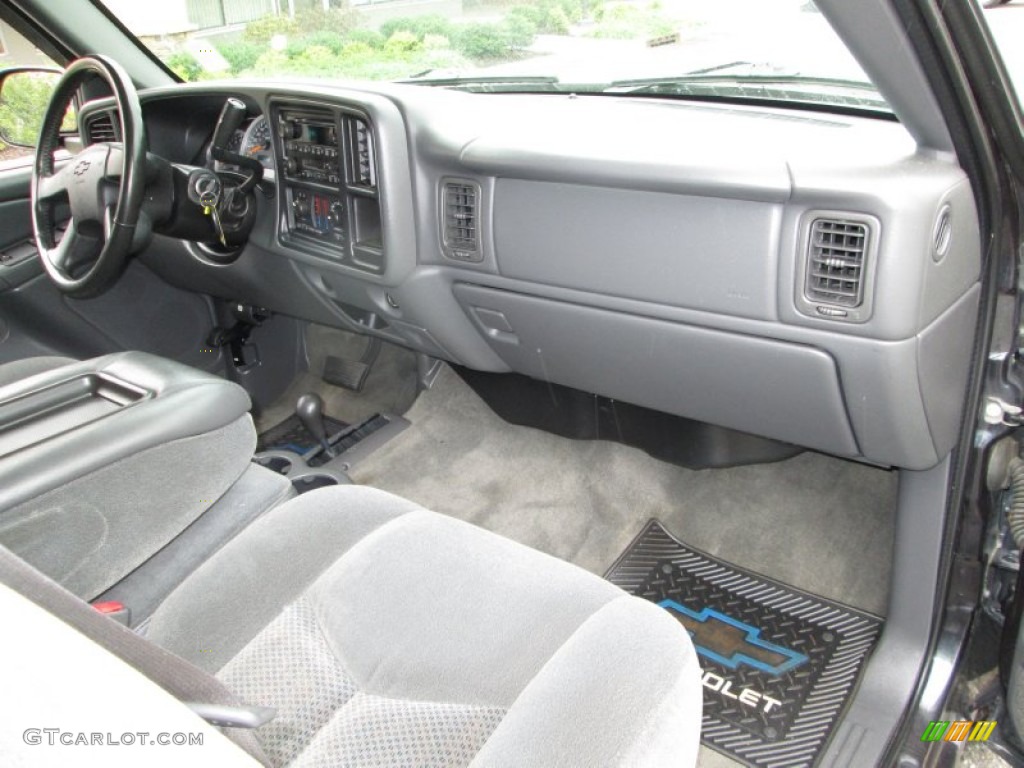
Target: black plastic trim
581	415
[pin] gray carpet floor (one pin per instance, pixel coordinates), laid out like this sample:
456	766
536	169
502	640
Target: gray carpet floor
816	522
390	386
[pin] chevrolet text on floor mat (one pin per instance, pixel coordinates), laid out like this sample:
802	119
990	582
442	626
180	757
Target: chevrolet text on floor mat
746	696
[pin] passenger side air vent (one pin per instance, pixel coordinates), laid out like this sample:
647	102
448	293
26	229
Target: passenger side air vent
460	215
836	261
364	164
100	127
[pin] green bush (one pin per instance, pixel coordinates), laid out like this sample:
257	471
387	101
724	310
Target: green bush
369	37
420	26
323	44
401	42
332	41
358	60
295	47
626	21
261	30
314	56
482	41
329	39
270	62
549	17
241	55
519	32
184	65
531	14
402	24
556	22
575	10
310	22
356	49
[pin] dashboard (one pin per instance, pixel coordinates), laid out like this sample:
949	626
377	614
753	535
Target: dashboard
804	276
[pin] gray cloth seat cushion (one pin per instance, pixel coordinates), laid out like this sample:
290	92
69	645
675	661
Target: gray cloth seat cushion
385	634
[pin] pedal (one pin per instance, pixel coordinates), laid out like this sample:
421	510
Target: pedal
351	374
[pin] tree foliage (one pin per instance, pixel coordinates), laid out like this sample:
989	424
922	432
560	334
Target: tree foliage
185	66
23	102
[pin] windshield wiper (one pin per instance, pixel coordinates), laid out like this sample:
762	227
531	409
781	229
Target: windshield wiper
489	84
760	88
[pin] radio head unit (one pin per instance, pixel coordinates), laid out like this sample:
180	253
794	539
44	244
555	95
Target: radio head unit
312	151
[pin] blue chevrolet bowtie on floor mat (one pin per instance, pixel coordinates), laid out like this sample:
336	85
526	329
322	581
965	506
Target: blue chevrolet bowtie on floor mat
778	664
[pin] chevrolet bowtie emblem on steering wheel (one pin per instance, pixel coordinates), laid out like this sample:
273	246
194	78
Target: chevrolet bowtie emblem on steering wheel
81	167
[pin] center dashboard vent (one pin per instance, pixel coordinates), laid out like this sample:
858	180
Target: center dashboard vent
364	164
837	260
100	127
460	217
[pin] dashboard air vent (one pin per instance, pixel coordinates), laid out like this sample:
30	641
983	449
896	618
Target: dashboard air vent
836	261
364	171
100	127
461	220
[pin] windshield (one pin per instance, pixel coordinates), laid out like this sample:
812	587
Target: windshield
776	50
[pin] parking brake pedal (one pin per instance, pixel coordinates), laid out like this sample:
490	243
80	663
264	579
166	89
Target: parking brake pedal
351	374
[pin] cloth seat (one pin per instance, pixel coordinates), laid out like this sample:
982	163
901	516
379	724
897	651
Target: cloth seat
387	635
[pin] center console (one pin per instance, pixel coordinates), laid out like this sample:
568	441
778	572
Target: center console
330	206
103	462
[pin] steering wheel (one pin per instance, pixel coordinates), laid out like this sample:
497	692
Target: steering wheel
103	185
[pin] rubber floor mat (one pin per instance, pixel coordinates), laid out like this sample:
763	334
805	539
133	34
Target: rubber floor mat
778	664
290	435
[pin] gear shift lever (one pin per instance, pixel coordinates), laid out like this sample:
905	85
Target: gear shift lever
310	410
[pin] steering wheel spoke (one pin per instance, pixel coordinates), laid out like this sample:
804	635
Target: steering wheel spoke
72	251
51	187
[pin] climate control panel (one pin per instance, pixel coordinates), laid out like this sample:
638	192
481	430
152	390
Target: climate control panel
318	215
